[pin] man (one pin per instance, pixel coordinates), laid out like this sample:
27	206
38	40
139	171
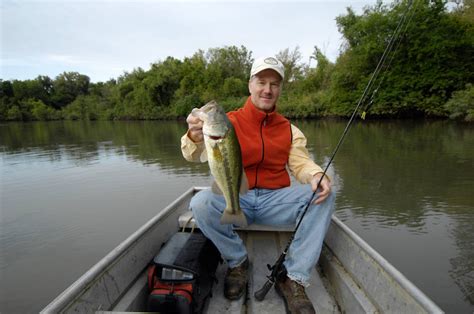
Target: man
270	144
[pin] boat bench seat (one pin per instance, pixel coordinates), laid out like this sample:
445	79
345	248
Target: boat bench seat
186	220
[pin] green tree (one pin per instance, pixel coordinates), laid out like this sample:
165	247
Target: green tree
14	114
6	89
40	111
86	107
223	63
67	86
185	104
318	78
45	90
291	61
6	97
163	80
434	58
461	105
234	87
31	89
193	80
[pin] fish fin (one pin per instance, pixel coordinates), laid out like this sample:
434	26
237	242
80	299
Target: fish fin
215	188
244	184
238	219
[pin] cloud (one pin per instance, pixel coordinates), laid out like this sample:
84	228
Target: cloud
65	59
97	37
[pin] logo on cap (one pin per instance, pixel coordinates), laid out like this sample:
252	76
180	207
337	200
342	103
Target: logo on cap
271	61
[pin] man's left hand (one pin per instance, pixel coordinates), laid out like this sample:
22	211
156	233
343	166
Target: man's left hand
324	188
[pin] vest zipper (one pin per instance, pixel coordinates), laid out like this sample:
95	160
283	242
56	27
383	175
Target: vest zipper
264	123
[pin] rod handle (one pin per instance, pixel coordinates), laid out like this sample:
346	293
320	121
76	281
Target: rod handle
260	294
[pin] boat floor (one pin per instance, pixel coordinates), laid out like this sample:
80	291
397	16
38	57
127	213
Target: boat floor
263	248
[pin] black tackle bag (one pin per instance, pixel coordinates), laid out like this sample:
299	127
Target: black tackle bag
182	274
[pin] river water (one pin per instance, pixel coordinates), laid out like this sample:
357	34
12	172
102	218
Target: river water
71	191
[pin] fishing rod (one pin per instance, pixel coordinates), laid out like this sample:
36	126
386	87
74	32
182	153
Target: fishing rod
277	269
396	34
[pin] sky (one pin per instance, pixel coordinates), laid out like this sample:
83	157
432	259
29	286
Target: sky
104	39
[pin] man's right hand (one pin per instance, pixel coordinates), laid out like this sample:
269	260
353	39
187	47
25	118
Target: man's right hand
195	128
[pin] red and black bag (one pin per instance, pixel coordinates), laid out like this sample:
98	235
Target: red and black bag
169	297
182	274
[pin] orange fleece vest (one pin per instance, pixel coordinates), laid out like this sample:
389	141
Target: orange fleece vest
265	142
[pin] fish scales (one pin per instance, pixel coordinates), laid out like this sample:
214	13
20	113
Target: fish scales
225	160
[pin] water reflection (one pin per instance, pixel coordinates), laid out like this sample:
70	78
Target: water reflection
388	169
83	143
411	162
405	187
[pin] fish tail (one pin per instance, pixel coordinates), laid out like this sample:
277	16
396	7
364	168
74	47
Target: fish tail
237	219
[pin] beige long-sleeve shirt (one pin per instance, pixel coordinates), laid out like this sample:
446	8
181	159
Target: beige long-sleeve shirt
300	165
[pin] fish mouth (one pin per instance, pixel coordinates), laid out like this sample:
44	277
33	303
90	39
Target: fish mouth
214	137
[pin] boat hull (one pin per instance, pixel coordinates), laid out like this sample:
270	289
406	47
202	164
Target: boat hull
349	277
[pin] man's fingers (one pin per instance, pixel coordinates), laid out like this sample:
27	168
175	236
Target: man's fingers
191	119
194	123
320	197
323	193
319	200
195	128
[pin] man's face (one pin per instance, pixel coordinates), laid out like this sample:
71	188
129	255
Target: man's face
264	89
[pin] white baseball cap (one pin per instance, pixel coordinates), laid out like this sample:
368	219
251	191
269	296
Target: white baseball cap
264	63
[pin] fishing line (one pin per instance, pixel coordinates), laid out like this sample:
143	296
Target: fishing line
397	34
276	268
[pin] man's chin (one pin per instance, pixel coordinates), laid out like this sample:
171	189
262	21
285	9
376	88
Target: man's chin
269	103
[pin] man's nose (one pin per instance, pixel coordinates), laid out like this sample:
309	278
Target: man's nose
267	88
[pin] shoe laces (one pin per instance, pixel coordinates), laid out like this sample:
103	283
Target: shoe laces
237	272
298	290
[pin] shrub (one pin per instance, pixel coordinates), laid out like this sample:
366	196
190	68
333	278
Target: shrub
461	104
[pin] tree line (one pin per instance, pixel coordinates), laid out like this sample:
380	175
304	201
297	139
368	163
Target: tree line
430	74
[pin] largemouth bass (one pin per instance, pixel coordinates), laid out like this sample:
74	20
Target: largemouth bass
225	160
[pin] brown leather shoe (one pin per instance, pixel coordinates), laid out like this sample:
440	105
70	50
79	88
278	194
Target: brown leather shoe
296	300
235	281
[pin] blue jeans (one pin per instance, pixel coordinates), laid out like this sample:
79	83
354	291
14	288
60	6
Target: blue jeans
269	207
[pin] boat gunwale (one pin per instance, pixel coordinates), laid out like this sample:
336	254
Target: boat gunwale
394	273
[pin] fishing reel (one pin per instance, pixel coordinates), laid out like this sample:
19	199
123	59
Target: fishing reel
278	272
